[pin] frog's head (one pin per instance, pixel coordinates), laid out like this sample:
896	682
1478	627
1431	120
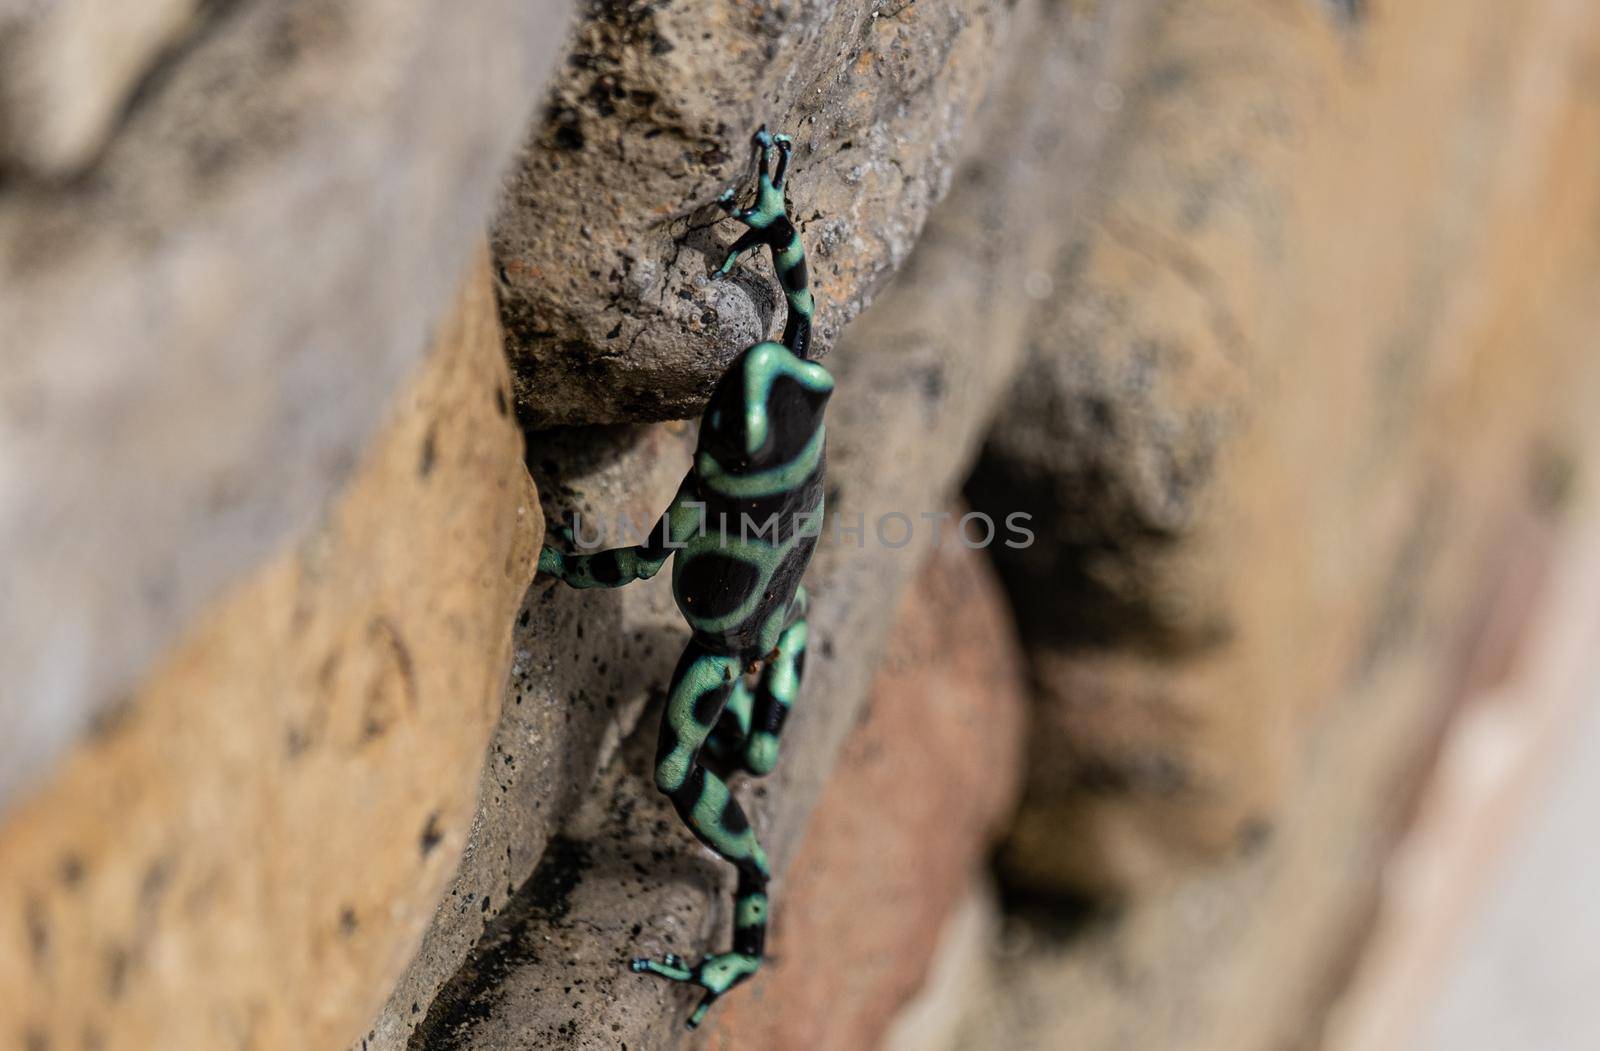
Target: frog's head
765	410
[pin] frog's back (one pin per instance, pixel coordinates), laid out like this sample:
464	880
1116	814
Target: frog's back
758	476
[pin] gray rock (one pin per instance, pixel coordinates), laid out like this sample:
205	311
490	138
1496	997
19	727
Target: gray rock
67	69
584	665
548	975
203	329
606	235
919	375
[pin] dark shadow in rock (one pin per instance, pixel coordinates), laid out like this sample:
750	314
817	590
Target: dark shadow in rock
622	878
557	454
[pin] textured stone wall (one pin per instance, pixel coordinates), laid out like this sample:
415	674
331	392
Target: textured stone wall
1274	315
607	233
1277	391
208	313
247	853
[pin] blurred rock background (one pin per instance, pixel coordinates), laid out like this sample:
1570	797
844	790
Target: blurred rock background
1275	316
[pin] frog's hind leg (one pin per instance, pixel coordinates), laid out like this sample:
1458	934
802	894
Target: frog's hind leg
726	743
748	733
700	688
777	691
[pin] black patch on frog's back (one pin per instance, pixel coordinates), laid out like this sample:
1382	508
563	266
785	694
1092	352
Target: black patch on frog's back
715	583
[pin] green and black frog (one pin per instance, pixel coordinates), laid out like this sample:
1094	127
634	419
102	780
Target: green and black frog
741	529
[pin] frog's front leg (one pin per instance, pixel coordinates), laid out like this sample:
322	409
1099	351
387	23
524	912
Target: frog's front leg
770	225
748	241
769	207
701	686
785	146
623	565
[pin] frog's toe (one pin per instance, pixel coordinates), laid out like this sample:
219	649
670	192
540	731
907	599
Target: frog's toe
671	967
716	974
699	1014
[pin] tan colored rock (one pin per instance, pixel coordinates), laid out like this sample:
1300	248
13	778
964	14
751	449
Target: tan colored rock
921	789
246	853
1259	405
1253	954
1258	953
70	67
1138	770
584	664
204	327
958	978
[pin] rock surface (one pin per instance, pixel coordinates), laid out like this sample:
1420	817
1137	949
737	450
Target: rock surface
249	851
1255	953
606	236
921	789
584	665
1228	465
1322	343
204	326
548	971
70	68
918	375
1252	954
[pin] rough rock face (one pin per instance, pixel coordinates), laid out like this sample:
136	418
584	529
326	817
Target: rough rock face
918	375
921	788
619	866
247	852
584	665
1303	311
1229	465
201	330
606	236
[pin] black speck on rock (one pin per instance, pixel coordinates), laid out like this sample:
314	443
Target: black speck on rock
431	834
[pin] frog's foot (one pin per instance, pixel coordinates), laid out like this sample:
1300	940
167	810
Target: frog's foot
766	142
553	561
716	974
761	142
747	242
